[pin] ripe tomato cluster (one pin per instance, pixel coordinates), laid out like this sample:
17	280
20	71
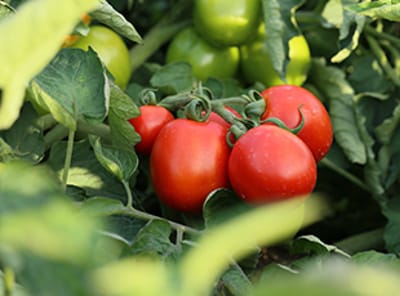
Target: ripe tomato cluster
190	159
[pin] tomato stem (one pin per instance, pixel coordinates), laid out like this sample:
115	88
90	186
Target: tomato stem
46	121
382	59
68	158
281	124
100	129
129	203
54	135
132	212
331	165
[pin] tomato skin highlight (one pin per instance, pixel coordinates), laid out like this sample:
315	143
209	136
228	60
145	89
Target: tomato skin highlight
111	49
148	124
226	23
189	160
283	102
269	164
206	60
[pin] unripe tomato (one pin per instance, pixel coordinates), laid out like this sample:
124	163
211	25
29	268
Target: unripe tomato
256	65
189	160
269	163
205	59
112	51
226	23
148	124
284	101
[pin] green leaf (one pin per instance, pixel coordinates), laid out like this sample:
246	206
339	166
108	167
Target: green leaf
375	258
174	77
387	128
236	281
153	240
121	163
392	229
368	77
331	82
333	12
135	276
32	203
222	205
22	56
85	172
73	86
239	237
101	206
310	244
280	27
348	36
6	152
223	88
377	9
122	108
25	138
107	15
18	290
5	9
337	277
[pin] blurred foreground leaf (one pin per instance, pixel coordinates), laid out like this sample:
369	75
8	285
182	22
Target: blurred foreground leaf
28	43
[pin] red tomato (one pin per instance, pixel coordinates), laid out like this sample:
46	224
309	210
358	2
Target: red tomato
148	124
189	160
269	163
284	101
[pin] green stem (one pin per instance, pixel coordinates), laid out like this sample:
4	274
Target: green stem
361	242
331	165
159	34
9	281
308	17
56	134
382	58
68	158
129	203
132	212
232	101
382	35
101	129
46	121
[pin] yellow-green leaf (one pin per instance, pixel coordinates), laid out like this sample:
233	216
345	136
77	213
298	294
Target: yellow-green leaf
29	40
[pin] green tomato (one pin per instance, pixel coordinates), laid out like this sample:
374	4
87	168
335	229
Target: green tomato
225	22
256	65
112	51
205	59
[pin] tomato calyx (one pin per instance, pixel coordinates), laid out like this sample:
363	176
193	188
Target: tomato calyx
281	124
198	109
148	97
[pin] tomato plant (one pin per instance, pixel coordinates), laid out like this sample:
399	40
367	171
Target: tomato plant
189	160
226	23
206	60
71	178
290	104
111	49
269	164
256	64
148	124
